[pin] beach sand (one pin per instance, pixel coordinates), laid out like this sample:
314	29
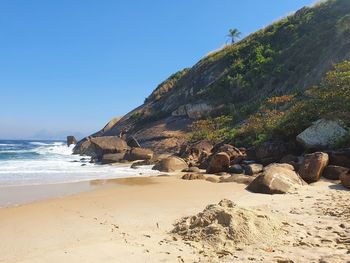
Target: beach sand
129	220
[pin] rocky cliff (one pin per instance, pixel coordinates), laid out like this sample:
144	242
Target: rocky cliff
288	56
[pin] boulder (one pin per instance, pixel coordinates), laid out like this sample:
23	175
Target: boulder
136	154
333	172
270	152
112	158
236	169
235	154
133	142
321	134
71	140
253	168
313	165
193	177
98	146
197	153
276	179
340	157
171	164
219	162
345	180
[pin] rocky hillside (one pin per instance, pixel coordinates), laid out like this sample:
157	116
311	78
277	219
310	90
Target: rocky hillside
284	58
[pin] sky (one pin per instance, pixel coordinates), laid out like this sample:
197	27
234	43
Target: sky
71	66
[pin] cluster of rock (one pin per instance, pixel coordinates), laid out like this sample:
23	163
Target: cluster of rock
273	167
113	149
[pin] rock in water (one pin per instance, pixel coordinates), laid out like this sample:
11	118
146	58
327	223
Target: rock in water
313	165
71	140
171	164
321	134
136	154
219	162
276	179
333	172
98	146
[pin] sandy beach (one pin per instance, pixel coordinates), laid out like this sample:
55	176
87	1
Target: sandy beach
129	220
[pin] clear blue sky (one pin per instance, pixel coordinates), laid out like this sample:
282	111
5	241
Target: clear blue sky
71	65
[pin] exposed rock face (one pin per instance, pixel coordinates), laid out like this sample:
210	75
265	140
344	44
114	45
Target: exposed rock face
171	164
270	152
321	134
219	162
276	179
253	168
133	142
71	140
193	111
193	177
136	154
333	172
313	165
98	146
112	158
340	158
345	180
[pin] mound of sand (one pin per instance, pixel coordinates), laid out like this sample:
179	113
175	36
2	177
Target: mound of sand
224	226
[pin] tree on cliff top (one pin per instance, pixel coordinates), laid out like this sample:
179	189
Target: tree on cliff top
234	34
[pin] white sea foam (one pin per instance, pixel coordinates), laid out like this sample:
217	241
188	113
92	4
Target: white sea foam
56	164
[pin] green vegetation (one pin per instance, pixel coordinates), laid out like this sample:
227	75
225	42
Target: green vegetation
283	117
234	35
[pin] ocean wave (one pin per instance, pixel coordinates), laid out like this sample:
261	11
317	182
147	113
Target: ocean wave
8	144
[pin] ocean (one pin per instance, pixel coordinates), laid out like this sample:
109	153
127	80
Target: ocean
34	162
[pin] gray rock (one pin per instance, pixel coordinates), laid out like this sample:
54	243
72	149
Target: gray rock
253	168
192	169
236	169
345	180
71	140
136	154
190	176
321	134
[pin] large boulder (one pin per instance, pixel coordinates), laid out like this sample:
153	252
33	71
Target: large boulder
313	165
219	162
321	134
235	154
133	142
171	164
333	172
71	140
196	154
340	157
98	146
270	152
345	180
136	154
112	158
276	179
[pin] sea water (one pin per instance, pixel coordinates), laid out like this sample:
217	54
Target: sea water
29	162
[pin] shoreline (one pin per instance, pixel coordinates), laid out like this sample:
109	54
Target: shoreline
132	218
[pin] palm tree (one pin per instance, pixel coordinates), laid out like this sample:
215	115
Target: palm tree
234	34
